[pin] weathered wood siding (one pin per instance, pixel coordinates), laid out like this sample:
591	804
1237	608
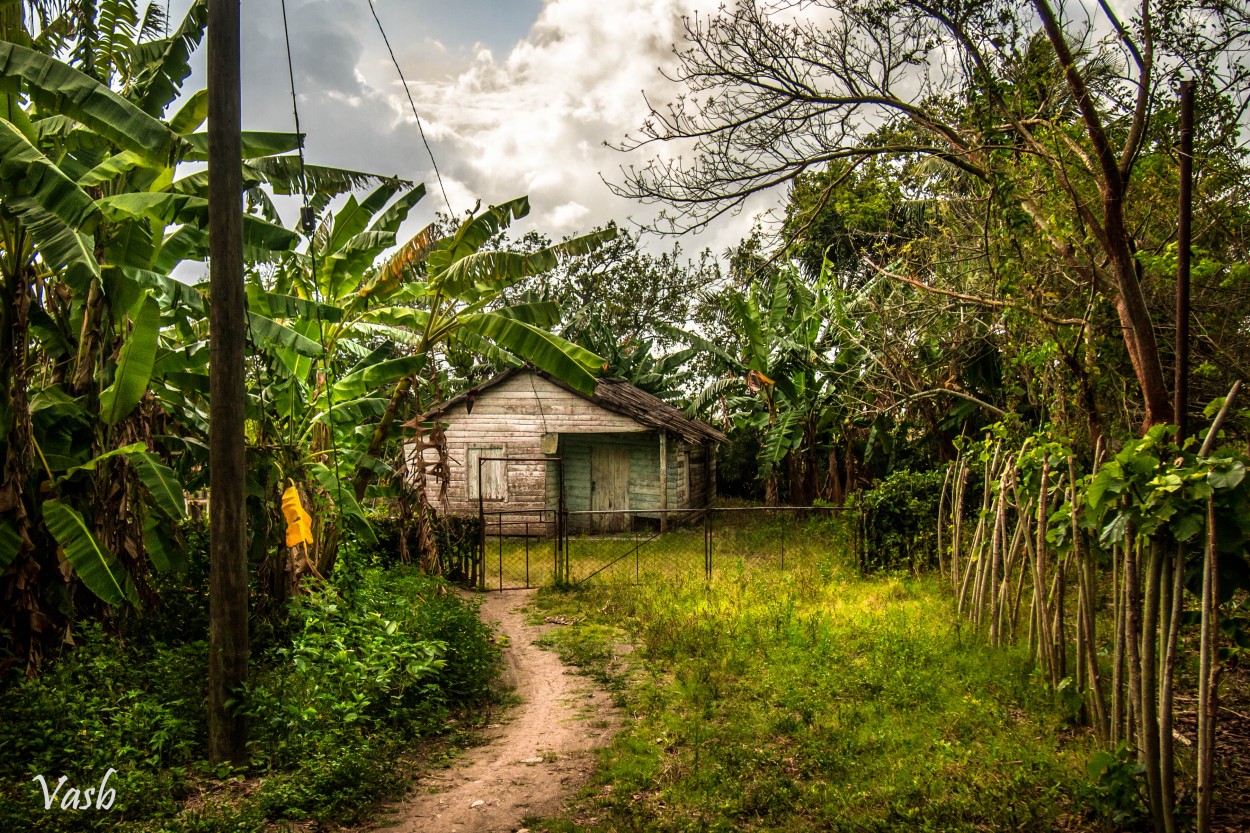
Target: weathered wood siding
513	416
511	419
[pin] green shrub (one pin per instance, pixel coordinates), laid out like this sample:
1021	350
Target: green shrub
900	521
341	682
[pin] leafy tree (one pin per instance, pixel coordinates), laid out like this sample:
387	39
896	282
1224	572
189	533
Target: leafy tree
1032	119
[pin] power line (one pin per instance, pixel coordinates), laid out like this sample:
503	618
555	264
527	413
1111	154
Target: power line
308	221
290	71
408	93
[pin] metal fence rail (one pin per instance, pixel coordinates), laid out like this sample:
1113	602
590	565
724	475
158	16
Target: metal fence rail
531	548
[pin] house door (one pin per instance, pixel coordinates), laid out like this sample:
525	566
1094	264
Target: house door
609	487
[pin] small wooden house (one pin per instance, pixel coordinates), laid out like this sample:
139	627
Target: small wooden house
621	449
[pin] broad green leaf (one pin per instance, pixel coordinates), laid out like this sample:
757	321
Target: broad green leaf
474	274
1228	478
58	88
1110	478
91	464
134	365
161	482
26	173
413	319
168	208
166	61
255	144
60	246
275	305
350	220
111	168
1187	525
575	365
191	114
356	383
173	292
393	217
287	176
280	337
164	556
475	232
94	564
345	497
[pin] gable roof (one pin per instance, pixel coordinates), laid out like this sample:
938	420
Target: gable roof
614	395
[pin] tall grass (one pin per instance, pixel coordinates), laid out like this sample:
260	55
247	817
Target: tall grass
811	699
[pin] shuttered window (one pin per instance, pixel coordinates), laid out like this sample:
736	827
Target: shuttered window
494	474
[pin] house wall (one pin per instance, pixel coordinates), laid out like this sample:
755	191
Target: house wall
513	417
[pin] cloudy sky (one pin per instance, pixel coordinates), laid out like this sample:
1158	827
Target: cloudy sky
516	96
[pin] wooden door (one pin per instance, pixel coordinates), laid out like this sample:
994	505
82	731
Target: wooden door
609	487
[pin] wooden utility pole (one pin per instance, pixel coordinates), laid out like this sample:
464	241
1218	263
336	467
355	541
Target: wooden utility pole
227	634
1184	236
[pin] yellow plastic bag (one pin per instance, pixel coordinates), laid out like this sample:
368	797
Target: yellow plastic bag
298	521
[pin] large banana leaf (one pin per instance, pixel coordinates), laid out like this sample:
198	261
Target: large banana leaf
94	564
166	62
58	88
26	172
357	382
276	305
345	497
161	482
472	276
163	555
287	176
173	292
134	365
50	205
474	233
111	168
255	144
350	220
191	114
167	208
60	246
280	337
563	359
414	319
402	262
94	462
393	217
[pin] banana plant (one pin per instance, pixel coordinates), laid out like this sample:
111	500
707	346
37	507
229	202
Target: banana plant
102	414
779	380
364	318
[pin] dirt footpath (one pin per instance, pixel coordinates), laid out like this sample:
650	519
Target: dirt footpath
529	764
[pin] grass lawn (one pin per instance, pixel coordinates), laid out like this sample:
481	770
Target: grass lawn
757	539
807	698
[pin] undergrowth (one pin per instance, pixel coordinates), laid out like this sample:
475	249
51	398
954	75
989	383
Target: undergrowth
811	699
342	683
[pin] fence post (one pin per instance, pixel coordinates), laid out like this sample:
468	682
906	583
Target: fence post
707	545
783	543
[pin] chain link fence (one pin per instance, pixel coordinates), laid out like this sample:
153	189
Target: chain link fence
533	548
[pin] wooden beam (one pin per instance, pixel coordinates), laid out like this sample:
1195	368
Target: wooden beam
663	480
227	633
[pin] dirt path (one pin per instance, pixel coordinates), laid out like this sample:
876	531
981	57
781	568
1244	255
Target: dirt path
529	764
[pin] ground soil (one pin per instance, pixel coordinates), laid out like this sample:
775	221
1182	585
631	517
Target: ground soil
529	765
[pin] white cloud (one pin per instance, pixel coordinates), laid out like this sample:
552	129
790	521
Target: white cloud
535	120
502	121
569	215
